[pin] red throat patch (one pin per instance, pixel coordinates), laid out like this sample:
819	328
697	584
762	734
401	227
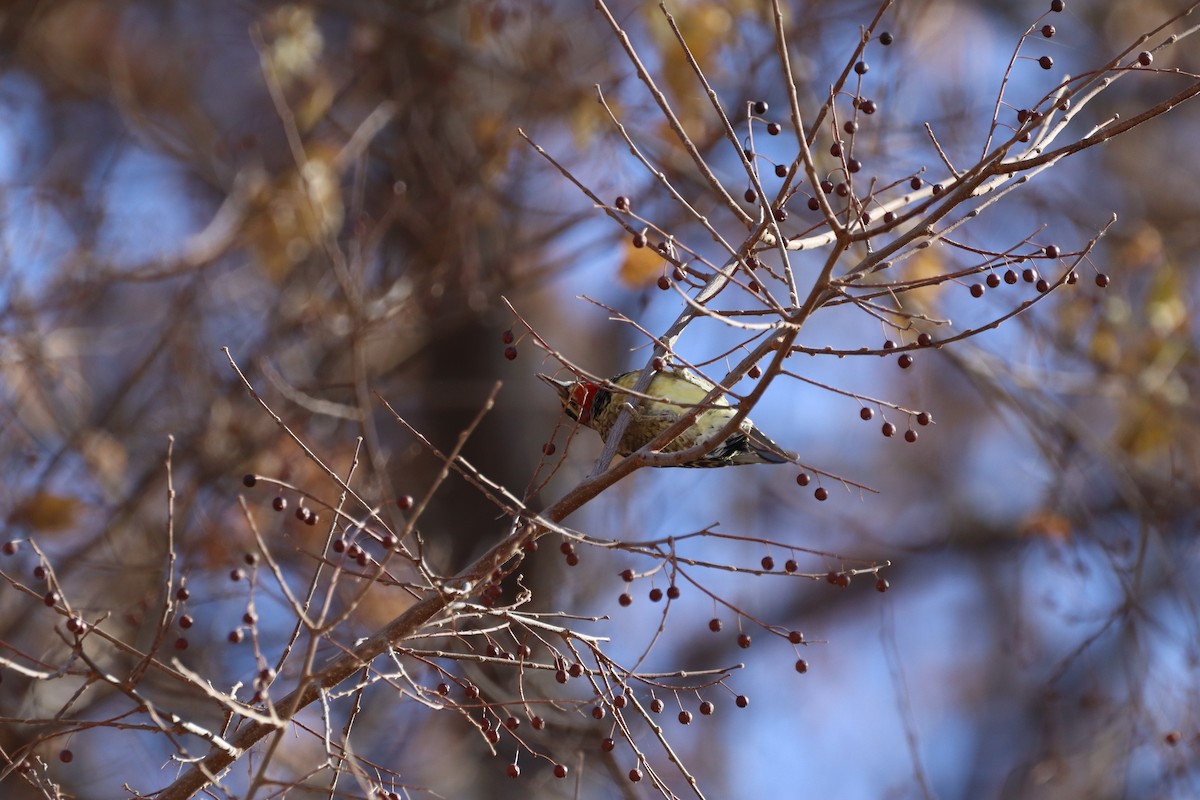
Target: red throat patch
580	403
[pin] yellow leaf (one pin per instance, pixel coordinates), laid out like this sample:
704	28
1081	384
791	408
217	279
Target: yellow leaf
642	266
45	512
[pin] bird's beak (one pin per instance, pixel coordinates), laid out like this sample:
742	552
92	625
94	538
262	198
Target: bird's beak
562	387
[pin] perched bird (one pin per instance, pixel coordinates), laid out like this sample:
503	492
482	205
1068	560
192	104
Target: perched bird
598	408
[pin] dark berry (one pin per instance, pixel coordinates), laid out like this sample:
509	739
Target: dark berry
760	107
773	128
507	337
673	592
656	594
802	666
656	705
976	290
1046	62
625	600
861	67
607	744
714	625
821	493
768	563
1048	31
905	361
795	637
249	480
885	38
992	280
791	566
889	429
622	203
881	585
743	640
1145	58
1010	277
707	708
910	435
1102	280
742	701
510	353
685	718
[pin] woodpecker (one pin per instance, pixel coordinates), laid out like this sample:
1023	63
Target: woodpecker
598	408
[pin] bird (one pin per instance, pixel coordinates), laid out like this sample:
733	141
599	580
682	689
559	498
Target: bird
598	407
